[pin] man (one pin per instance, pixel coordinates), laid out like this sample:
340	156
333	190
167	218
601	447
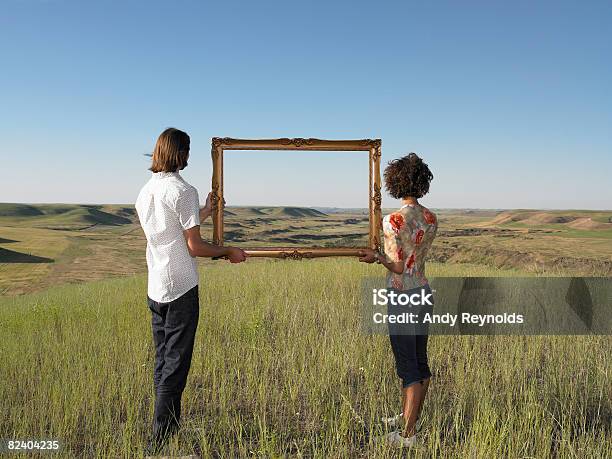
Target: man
169	213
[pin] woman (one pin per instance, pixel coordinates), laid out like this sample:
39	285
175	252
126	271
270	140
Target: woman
408	234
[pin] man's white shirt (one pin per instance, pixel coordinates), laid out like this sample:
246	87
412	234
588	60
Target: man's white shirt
166	206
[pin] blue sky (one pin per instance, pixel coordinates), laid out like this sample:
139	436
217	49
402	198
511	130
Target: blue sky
510	103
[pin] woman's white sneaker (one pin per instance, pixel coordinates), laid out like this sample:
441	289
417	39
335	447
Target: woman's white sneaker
393	421
396	439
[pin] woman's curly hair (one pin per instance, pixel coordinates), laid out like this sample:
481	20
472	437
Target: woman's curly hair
407	177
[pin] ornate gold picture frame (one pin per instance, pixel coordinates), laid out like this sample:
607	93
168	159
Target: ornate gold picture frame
373	146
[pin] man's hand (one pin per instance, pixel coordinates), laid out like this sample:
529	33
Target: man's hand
236	255
208	208
206	211
368	256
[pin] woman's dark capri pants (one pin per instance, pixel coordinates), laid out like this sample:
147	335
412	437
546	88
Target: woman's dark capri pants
174	327
409	341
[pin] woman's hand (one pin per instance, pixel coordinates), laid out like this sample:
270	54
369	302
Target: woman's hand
368	255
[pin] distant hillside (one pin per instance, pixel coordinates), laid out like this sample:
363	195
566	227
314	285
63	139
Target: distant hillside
342	210
293	211
66	216
32	210
583	220
244	211
78	216
282	211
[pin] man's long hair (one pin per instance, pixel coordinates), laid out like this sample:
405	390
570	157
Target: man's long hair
171	151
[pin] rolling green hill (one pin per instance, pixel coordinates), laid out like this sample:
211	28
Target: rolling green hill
571	219
19	210
65	216
272	211
296	212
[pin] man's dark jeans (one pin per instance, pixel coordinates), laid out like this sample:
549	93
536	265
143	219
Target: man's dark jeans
174	327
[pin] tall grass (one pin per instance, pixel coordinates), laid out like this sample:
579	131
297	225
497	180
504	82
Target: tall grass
281	369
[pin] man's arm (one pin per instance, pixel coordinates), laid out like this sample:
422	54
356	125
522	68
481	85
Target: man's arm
199	248
190	216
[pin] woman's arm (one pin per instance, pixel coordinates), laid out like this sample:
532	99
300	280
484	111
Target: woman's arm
371	256
396	267
393	257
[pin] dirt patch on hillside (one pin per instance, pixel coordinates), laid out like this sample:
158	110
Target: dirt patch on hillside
506	217
587	223
542	218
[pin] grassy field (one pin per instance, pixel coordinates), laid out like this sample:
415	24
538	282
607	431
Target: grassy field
281	369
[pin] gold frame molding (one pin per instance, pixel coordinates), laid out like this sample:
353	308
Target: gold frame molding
373	146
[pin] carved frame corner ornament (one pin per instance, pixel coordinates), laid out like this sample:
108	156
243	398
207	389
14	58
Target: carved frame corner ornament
296	255
373	146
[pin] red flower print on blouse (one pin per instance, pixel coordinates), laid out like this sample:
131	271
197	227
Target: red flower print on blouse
396	221
429	217
397	282
410	262
400	254
418	238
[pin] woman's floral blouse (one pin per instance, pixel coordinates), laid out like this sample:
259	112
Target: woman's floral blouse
408	234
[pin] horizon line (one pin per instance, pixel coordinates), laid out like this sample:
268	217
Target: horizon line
317	206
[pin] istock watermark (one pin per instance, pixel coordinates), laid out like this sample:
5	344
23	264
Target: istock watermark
490	306
383	297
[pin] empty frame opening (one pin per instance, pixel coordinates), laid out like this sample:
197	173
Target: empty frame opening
296	198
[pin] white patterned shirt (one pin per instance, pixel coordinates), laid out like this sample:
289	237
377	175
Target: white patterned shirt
166	206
